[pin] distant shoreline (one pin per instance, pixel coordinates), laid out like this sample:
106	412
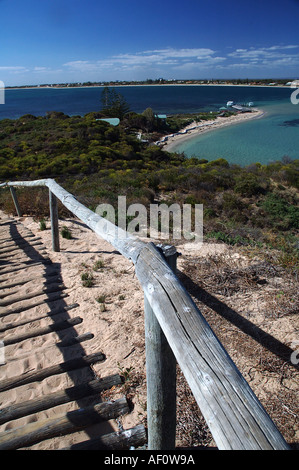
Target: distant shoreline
54	87
195	130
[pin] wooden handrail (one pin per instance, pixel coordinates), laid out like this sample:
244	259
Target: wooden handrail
233	413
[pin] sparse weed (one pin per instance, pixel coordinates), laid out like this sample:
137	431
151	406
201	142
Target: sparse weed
87	279
101	299
65	233
125	372
98	265
42	225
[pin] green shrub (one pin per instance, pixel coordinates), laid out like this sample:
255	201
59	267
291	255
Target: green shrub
280	212
248	185
98	265
230	240
87	279
209	213
101	299
65	233
42	225
233	207
291	175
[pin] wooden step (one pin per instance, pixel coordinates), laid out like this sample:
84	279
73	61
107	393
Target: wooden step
58	398
41	374
67	423
29	279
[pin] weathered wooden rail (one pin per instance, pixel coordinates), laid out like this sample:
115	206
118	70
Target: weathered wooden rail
176	331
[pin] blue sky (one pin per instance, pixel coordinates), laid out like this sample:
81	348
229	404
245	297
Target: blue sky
55	41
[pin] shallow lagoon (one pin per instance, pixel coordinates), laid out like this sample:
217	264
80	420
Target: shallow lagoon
263	140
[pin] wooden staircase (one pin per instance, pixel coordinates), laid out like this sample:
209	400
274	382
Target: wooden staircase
36	325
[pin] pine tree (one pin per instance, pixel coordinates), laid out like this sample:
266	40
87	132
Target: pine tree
113	103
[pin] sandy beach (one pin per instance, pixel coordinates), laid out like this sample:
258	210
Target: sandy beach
195	129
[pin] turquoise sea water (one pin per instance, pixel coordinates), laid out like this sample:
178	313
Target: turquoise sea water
168	99
263	140
266	139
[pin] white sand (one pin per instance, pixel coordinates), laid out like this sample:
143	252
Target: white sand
196	129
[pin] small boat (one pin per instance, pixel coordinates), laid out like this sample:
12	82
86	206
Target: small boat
229	103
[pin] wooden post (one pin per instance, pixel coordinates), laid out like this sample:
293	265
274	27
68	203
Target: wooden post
54	221
161	376
15	200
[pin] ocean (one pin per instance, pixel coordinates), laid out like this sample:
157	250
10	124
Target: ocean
263	140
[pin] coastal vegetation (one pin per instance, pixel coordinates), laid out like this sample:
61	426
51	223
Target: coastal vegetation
254	206
113	103
163	81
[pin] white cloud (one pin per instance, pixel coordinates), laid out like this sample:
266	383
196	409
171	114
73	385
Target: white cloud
41	69
190	59
78	64
13	69
158	59
272	58
273	52
183	53
166	62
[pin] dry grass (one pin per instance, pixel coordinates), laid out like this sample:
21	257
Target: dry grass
252	306
33	202
257	338
191	428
